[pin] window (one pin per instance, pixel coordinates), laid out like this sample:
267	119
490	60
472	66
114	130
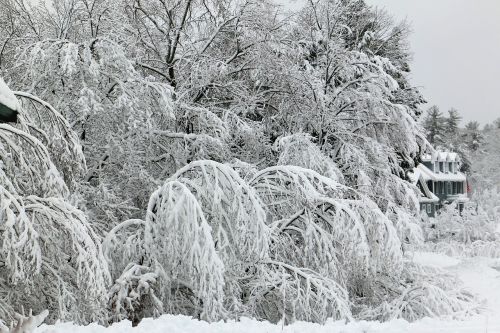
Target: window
443	188
450	166
429	208
454	188
441	166
449	187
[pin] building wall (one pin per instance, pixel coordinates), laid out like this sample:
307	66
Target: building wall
457	188
429	208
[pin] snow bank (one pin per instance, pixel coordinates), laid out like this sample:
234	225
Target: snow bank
182	324
436	260
7	97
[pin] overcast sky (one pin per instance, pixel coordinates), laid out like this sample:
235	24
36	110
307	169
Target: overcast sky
456	47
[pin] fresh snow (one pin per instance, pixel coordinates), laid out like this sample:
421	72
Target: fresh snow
481	276
7	97
436	260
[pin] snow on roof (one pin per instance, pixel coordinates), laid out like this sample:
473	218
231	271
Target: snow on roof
441	156
433	198
427	174
7	97
452	157
425	196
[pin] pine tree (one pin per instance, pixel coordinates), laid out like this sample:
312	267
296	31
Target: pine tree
434	124
472	136
452	122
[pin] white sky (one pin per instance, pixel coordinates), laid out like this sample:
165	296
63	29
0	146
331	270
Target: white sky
456	47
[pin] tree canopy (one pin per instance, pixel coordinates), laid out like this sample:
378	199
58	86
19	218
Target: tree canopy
213	158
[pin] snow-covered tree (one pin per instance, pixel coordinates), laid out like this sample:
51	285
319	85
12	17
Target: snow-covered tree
434	124
52	257
452	122
235	163
472	136
485	174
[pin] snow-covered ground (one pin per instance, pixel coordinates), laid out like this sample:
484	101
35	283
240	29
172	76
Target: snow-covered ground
479	275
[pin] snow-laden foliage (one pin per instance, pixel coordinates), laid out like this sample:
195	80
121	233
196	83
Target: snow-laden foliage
233	210
25	324
236	163
470	233
485	174
51	256
286	292
315	247
178	238
335	230
206	211
299	150
114	111
133	296
424	292
468	226
44	122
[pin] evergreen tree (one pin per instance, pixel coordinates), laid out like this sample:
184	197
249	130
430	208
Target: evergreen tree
452	122
489	127
486	174
434	124
496	123
472	136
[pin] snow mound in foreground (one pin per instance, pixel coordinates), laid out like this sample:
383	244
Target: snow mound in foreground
182	324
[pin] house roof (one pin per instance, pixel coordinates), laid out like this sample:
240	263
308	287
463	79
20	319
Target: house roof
428	174
441	156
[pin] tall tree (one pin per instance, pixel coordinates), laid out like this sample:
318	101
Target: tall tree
434	124
51	255
485	169
472	136
453	122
